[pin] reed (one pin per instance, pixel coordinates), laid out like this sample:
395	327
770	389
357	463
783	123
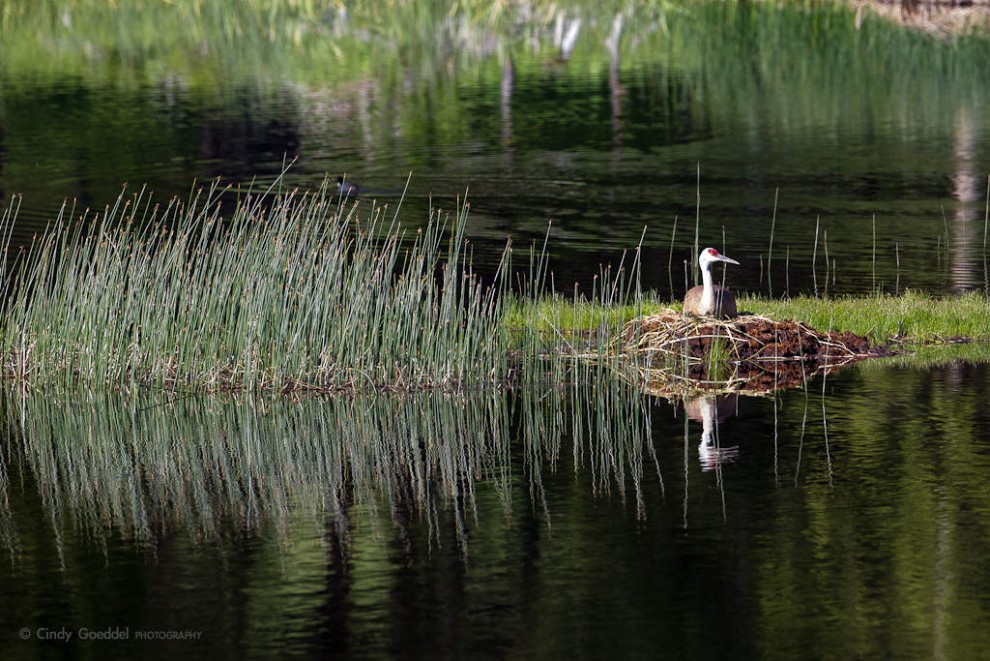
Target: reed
289	292
773	225
279	290
292	292
873	258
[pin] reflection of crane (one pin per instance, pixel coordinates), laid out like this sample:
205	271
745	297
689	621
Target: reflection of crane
708	300
709	410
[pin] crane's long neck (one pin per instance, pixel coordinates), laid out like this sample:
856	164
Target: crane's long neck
708	295
707	418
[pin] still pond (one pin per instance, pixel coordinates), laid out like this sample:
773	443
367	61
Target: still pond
848	518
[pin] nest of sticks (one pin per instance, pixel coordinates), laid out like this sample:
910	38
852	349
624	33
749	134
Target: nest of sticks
764	353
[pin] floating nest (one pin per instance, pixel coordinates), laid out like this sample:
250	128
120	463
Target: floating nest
750	353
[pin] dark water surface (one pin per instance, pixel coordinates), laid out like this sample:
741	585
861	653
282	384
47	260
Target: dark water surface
852	129
847	520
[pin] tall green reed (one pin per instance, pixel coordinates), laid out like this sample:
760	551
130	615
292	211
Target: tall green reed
287	292
282	290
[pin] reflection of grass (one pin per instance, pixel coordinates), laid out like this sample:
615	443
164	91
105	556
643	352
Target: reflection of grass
932	356
142	467
733	46
432	72
214	39
146	467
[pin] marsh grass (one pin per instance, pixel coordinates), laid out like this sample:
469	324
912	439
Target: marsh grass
280	290
911	316
289	291
560	340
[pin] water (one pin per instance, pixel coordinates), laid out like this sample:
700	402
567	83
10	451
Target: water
877	127
847	519
448	526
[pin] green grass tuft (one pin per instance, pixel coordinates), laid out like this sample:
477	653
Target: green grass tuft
911	316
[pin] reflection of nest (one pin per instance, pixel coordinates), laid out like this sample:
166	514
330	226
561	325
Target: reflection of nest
764	354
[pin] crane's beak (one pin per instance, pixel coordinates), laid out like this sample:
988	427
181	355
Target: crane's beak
727	260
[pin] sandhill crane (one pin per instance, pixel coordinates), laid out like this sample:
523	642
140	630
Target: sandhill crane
709	300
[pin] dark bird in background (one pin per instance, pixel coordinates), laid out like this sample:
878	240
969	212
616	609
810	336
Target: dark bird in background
346	188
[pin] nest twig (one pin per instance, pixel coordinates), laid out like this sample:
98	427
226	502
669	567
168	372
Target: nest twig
764	354
750	338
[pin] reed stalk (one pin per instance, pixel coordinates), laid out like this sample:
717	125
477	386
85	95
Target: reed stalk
873	258
773	226
670	257
286	291
814	257
697	229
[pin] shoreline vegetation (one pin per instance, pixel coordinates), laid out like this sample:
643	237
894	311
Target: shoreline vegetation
909	318
294	292
286	291
295	40
939	18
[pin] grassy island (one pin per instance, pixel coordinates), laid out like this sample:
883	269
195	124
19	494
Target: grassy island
279	290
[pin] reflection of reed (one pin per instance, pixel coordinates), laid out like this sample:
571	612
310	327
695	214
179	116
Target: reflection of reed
6	524
968	190
116	462
120	465
611	428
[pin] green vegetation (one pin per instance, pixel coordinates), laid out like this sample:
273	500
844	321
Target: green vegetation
396	486
291	292
280	291
432	73
364	496
225	46
422	453
911	317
